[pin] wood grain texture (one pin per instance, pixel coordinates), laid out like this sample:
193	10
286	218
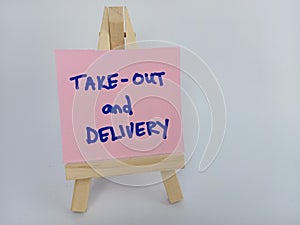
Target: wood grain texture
116	27
172	186
104	42
115	167
130	35
80	195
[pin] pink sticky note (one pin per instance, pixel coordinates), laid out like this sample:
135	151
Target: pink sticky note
119	103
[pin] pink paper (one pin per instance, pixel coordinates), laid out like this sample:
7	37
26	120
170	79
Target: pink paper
136	112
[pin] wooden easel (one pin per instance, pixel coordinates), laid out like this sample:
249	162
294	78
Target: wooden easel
112	36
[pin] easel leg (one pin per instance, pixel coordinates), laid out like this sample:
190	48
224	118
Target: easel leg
171	185
80	195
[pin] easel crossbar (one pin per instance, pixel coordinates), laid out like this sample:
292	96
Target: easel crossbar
115	167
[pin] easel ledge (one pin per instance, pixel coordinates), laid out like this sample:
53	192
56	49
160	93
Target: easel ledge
116	167
112	36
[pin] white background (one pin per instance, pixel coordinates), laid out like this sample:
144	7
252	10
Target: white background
253	48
